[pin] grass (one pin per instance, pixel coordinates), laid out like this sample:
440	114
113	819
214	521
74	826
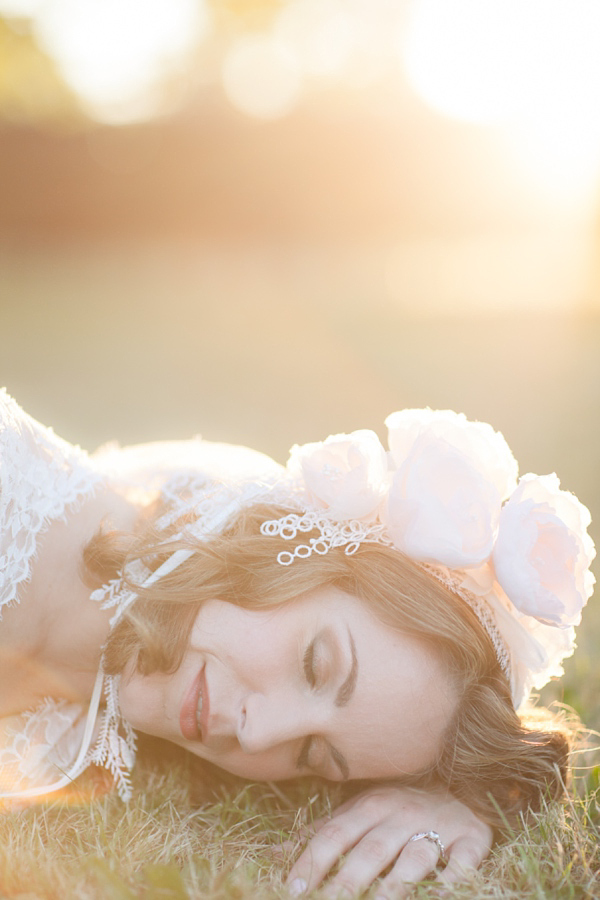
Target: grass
240	841
268	360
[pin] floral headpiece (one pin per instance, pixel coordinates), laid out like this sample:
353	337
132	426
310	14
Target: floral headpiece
447	496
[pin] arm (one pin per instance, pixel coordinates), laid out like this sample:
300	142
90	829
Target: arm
373	830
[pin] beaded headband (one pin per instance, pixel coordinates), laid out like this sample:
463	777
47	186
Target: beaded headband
447	496
351	535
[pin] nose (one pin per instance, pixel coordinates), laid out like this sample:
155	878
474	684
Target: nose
266	721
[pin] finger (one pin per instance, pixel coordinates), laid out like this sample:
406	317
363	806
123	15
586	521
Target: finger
281	851
417	860
334	838
465	859
305	831
365	862
310	828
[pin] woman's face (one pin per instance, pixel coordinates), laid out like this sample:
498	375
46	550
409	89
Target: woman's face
315	686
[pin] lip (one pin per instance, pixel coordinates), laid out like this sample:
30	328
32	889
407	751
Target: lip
187	717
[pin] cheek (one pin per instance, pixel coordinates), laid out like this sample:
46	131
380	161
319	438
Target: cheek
272	766
259	658
142	701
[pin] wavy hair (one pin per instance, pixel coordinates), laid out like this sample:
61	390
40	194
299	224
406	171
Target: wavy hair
498	763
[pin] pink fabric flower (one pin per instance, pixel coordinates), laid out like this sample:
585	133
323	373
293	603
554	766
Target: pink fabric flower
345	474
446	494
543	552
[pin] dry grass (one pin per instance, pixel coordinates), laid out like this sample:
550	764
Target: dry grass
240	842
144	343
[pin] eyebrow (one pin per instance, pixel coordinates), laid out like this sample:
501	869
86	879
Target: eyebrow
347	688
342	699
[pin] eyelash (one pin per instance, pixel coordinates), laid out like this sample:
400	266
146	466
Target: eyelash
302	761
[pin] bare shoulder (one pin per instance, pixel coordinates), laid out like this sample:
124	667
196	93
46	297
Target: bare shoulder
56	627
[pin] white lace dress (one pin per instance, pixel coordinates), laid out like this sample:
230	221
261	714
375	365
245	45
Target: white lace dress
44	478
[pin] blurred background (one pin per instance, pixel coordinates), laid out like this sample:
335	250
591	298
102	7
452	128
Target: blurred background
270	220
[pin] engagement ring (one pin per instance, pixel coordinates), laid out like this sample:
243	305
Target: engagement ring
434	838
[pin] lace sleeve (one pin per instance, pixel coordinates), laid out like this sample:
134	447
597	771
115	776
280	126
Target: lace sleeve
37	747
41	477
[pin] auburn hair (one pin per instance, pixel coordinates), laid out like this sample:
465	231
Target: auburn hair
495	761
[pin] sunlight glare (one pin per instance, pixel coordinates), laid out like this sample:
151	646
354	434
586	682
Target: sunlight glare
531	67
320	33
114	54
456	51
19	8
260	78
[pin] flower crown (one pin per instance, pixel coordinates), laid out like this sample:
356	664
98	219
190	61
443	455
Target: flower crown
447	496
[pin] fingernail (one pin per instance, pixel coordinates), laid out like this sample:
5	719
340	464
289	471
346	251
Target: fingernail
297	886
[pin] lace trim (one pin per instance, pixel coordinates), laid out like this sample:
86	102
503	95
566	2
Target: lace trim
41	476
453	580
39	745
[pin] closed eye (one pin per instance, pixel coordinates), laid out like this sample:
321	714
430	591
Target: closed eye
321	768
302	761
309	665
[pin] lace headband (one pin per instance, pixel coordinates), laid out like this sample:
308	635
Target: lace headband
351	535
446	494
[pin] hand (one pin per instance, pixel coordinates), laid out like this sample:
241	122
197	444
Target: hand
374	829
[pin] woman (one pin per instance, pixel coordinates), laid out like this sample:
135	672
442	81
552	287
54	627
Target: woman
348	616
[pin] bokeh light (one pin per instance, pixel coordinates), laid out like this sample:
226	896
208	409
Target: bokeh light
321	33
531	67
20	8
261	78
115	54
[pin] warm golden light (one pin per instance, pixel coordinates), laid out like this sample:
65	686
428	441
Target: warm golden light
260	78
19	8
114	54
322	34
531	67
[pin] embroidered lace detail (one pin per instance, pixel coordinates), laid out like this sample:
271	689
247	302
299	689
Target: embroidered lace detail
38	746
41	476
349	535
115	595
115	746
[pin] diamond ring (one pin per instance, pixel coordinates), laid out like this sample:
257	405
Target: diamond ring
434	838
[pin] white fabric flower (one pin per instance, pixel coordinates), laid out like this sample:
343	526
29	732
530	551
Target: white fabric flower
345	474
543	552
451	478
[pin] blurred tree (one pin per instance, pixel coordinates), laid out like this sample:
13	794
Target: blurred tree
31	88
